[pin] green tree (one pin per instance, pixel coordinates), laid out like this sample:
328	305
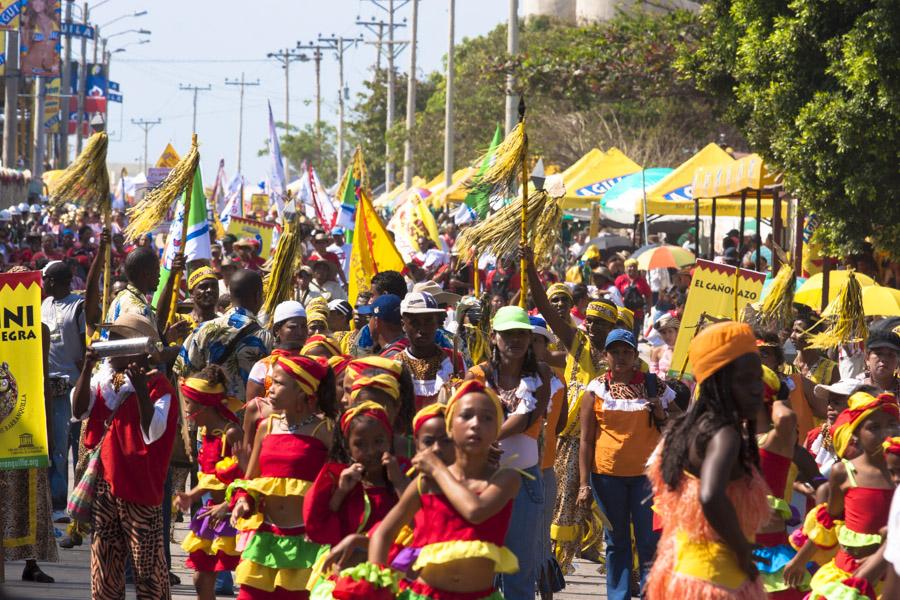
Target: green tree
301	144
606	84
815	87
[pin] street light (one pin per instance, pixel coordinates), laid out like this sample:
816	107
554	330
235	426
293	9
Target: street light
137	13
128	45
140	31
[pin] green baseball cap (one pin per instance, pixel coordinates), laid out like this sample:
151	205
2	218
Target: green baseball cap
508	318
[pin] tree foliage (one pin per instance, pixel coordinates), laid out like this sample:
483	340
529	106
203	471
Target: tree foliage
815	87
601	85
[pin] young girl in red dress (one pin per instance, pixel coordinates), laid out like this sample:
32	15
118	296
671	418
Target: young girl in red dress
859	498
211	542
290	449
461	511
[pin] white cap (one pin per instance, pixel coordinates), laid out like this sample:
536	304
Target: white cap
35	208
13	210
23	208
288	310
5	216
844	387
420	303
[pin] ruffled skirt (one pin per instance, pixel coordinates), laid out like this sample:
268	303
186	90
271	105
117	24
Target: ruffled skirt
278	559
211	547
419	590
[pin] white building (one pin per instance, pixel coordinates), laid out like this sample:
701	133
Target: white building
590	11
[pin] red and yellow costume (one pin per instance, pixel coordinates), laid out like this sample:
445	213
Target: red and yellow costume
277	561
855	534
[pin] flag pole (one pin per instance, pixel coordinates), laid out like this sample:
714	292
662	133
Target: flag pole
524	220
176	285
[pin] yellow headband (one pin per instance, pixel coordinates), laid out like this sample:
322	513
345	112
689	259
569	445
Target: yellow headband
320	340
426	414
200	274
359	365
306	371
603	310
626	315
859	407
202	385
559	289
375	410
473	386
386	382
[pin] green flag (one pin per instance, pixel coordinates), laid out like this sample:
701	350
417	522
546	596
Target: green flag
478	199
198	246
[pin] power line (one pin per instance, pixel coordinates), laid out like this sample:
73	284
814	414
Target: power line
340	45
146	125
195	89
243	85
285	57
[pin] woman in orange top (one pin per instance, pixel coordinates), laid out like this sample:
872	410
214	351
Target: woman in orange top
621	417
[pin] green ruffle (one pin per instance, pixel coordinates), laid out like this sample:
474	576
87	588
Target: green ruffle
237	484
282	552
852	539
780	506
381	577
774	582
836	590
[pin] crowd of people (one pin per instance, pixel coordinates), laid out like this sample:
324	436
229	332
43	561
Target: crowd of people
428	443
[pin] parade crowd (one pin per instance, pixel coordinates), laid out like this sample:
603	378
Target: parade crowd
428	443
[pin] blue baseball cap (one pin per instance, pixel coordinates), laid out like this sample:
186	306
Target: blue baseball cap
385	307
337	231
620	335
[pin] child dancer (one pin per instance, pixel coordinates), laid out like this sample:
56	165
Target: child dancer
362	484
211	541
289	451
461	511
383	381
859	497
707	487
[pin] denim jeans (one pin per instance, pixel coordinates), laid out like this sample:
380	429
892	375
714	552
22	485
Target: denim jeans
60	414
547	557
528	509
626	503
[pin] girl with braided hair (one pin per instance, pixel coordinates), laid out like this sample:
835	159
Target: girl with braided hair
708	491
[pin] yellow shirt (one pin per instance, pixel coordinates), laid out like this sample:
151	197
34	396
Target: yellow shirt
580	371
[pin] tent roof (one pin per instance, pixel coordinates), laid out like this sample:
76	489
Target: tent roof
730	179
588	179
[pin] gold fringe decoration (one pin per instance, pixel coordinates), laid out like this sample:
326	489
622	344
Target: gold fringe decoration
147	214
849	322
777	310
500	233
500	177
86	181
279	283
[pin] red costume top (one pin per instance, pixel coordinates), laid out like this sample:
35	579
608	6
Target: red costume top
218	466
135	470
360	511
288	463
444	535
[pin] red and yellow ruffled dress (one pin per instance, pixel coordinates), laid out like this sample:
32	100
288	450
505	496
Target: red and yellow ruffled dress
442	535
277	561
691	562
866	512
211	547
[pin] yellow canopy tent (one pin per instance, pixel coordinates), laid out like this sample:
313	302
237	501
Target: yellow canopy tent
388	199
588	179
441	195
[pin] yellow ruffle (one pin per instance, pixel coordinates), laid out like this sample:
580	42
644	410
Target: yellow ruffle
828	573
267	579
278	486
209	481
817	533
192	543
565	533
444	552
708	560
250	523
848	538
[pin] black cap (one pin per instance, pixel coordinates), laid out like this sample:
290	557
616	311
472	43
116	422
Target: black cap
881	338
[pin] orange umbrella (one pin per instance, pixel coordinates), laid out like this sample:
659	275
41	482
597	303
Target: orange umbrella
663	256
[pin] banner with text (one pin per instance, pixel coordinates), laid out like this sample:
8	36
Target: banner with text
257	230
715	295
23	423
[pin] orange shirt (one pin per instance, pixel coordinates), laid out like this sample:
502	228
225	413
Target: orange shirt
625	435
557	402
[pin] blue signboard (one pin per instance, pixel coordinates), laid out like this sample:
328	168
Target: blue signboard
77	30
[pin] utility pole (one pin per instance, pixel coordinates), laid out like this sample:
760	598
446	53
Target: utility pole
391	7
340	45
82	83
408	165
196	89
37	117
285	57
64	95
243	84
317	57
512	48
448	106
146	126
10	113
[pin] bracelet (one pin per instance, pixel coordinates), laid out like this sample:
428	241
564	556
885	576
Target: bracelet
584	487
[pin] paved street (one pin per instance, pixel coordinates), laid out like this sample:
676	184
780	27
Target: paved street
73	577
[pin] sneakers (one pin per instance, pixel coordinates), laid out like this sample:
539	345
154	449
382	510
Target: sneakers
60	516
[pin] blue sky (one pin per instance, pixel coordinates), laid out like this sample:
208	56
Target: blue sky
200	42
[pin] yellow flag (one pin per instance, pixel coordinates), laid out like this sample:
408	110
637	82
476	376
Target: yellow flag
427	218
169	158
372	250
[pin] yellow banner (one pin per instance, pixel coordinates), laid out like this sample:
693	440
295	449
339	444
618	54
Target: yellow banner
248	228
712	298
23	422
169	158
259	203
372	250
812	249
